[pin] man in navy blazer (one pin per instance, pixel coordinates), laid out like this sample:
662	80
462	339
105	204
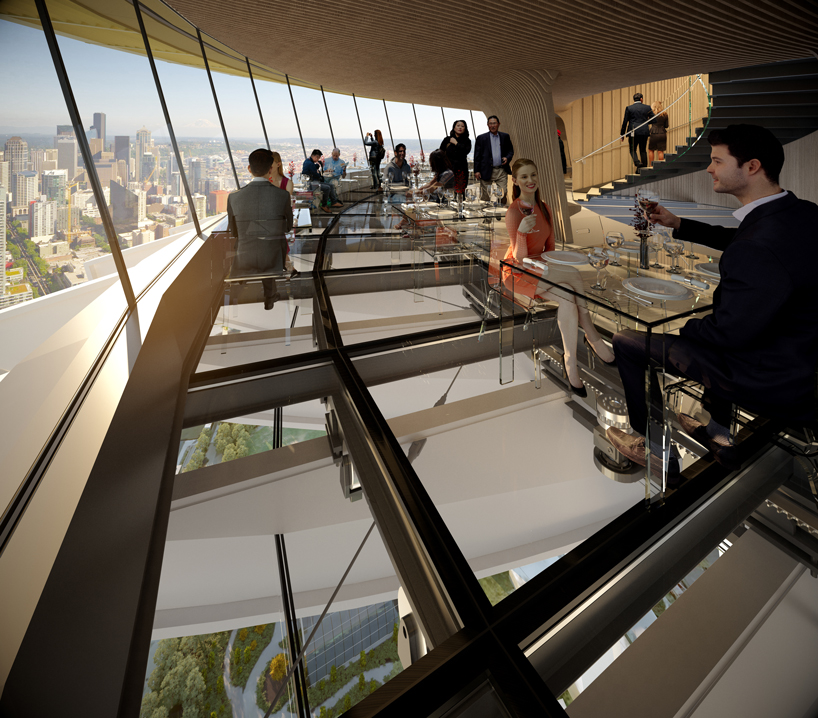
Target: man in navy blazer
260	214
636	115
492	157
759	347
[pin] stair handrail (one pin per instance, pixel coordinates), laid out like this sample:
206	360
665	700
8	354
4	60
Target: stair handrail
686	92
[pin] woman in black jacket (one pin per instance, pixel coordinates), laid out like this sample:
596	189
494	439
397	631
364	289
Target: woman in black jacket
457	147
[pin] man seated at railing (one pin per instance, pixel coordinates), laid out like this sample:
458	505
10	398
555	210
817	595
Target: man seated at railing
759	347
334	169
313	170
260	214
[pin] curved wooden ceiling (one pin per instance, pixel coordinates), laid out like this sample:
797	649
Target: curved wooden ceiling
442	54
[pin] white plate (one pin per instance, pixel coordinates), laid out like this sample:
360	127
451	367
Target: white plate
565	257
655	288
711	269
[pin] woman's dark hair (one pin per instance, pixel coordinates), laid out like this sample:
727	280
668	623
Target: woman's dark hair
260	161
465	132
439	162
516	166
378	137
751	142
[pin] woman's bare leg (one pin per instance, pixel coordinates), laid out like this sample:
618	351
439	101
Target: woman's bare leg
650	157
567	323
600	348
660	155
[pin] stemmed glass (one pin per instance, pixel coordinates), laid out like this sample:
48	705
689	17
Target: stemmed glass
656	240
449	193
598	259
497	194
674	247
648	202
527	210
470	193
615	240
691	254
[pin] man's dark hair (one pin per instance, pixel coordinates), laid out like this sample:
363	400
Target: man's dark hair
637	97
751	142
260	161
493	117
316	152
400	146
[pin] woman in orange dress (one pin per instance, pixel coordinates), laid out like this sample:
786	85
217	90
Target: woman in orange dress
530	229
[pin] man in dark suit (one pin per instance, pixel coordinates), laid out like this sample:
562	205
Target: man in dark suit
260	215
759	347
492	157
636	115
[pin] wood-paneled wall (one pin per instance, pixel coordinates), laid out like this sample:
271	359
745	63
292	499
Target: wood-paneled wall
797	176
595	121
525	106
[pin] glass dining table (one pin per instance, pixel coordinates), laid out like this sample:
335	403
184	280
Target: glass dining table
651	301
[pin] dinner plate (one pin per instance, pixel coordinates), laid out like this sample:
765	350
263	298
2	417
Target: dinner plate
654	288
711	269
565	257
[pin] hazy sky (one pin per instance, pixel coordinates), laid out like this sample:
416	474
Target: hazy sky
121	85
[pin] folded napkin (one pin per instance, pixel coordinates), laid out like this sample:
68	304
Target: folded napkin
690	281
538	263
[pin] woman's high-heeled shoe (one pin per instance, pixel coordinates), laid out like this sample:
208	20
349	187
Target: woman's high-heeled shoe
579	391
591	347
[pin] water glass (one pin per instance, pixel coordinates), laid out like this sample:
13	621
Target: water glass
674	247
615	240
598	259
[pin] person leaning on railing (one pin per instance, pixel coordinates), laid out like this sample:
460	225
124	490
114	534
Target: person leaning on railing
759	347
530	229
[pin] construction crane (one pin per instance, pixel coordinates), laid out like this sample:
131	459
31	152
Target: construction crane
69	233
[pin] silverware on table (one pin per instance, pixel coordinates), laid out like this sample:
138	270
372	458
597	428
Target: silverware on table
638	300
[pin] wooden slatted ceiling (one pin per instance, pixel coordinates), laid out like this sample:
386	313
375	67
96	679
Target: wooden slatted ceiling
441	54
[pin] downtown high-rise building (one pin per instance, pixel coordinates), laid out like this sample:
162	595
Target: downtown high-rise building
66	146
143	145
126	207
122	150
65	130
200	205
5	179
23	190
148	169
16	154
54	184
42	218
99	125
197	175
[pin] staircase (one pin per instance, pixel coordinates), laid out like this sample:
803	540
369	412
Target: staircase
782	96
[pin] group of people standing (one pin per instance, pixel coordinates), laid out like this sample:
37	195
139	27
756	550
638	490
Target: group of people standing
646	129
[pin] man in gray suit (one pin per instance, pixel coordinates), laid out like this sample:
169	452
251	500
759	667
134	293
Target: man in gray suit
260	215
